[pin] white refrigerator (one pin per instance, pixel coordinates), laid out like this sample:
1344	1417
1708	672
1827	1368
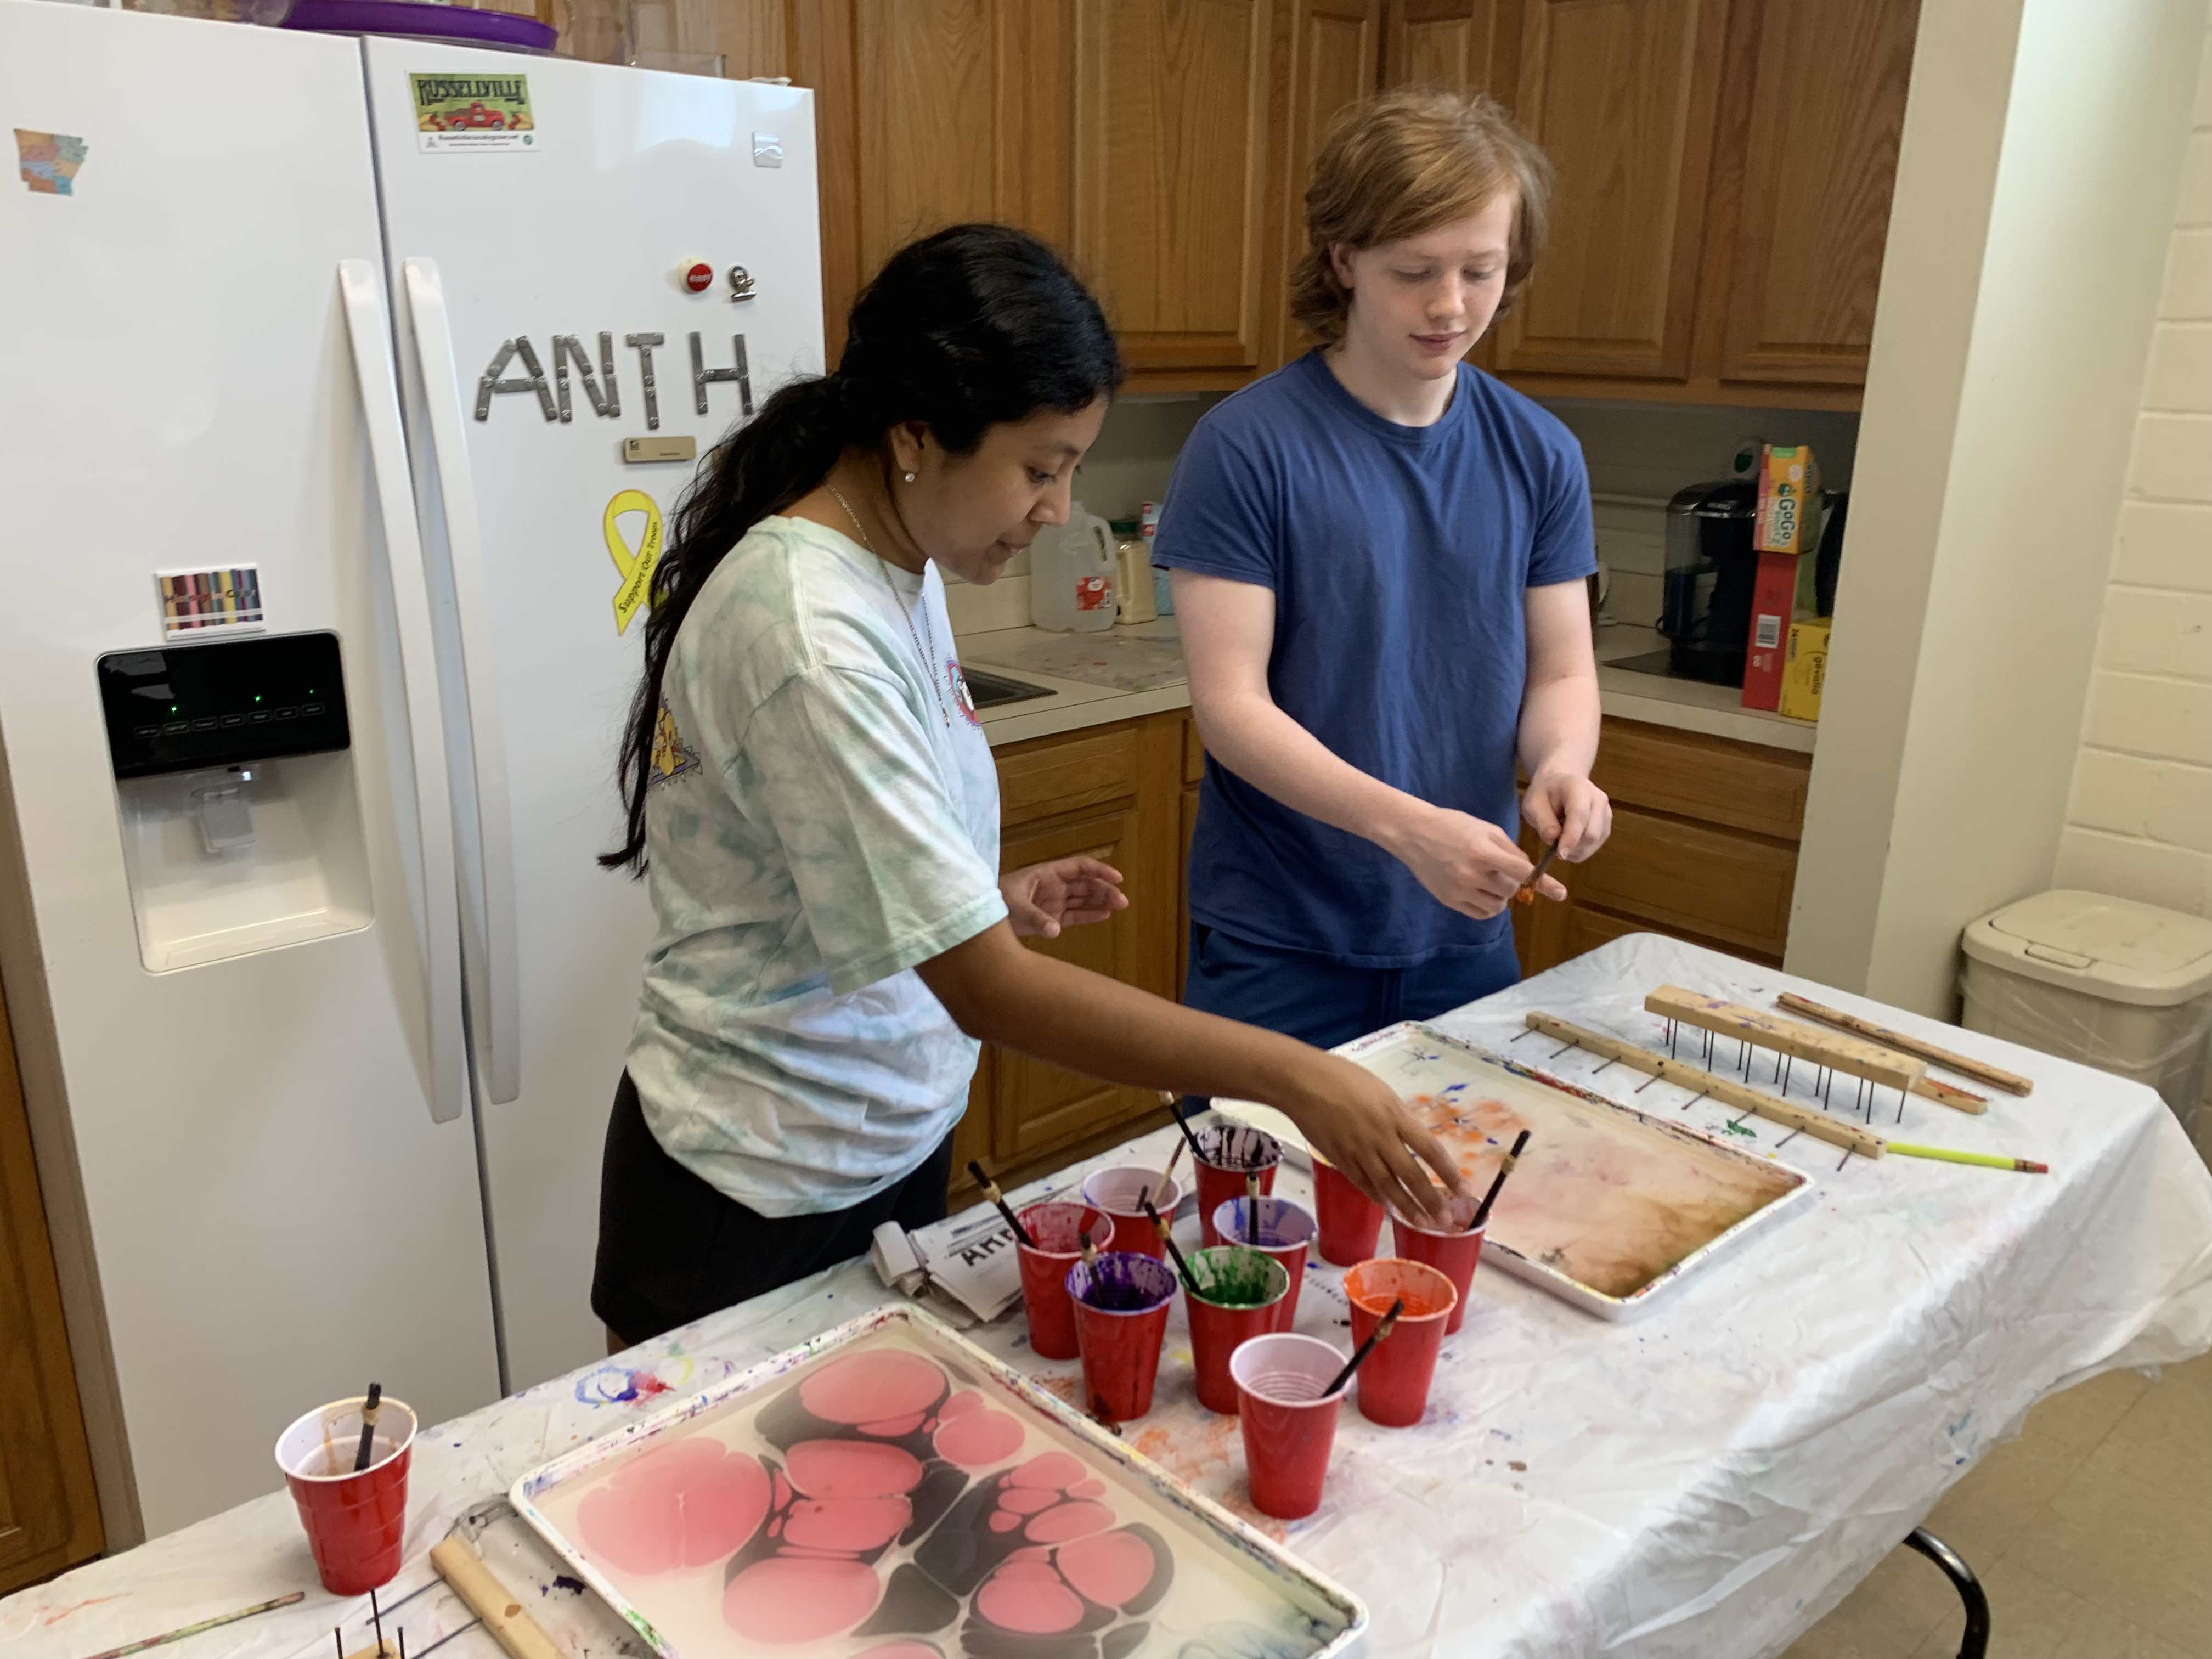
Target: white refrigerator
347	383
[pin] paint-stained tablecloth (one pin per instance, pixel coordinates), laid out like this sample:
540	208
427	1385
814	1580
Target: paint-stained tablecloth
1705	1482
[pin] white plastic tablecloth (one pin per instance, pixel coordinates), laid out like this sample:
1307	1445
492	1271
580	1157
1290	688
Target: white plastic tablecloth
1705	1481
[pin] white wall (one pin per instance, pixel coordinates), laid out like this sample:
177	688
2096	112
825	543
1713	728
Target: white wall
2040	161
2139	822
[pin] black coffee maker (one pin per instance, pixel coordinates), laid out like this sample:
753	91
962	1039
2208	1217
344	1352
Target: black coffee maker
1705	608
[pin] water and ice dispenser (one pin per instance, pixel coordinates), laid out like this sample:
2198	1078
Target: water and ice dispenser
234	782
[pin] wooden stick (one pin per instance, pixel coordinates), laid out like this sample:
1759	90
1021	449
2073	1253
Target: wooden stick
205	1623
1836	1131
1840	1054
1962	1100
502	1615
1980	1071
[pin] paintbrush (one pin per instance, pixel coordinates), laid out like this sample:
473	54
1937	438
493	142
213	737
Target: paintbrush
1089	1250
1160	1226
991	1191
167	1636
1383	1329
1504	1169
1528	893
1175	1110
1167	1174
369	1431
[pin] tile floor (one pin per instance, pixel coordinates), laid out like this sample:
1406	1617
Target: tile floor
2092	1534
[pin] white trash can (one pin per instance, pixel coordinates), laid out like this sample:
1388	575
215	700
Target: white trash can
2126	988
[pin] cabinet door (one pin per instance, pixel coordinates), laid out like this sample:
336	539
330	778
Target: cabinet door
1623	95
928	113
1336	59
1039	1107
1801	199
49	1515
1176	132
1472	46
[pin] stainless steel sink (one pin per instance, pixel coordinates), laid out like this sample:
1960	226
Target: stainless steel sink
995	691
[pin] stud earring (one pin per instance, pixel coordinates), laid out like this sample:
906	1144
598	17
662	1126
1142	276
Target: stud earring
909	478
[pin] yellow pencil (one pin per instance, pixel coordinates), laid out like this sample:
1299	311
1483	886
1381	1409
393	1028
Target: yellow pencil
1988	1160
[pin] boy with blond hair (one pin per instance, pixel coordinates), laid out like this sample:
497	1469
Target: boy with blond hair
1379	555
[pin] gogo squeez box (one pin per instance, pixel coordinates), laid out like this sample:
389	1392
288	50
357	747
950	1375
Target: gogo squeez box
1787	529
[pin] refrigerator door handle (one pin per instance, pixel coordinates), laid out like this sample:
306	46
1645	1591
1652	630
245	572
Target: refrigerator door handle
441	388
374	372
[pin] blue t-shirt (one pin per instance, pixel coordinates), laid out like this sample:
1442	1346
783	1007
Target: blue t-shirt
1398	556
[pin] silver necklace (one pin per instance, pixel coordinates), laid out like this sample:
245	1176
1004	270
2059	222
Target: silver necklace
928	658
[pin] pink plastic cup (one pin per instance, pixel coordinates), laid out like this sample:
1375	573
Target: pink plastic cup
1116	1191
1058	1230
1120	1315
1454	1252
1393	1381
1351	1221
1277	1227
1240	1294
1289	1423
1229	1155
355	1522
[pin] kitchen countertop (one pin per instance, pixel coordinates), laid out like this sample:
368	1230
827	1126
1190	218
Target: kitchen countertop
1686	705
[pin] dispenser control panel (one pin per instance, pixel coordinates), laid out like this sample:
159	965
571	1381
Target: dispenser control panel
184	708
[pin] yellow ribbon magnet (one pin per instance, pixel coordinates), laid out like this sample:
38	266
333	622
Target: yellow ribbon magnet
637	567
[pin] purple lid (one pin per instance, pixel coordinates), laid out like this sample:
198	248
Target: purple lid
433	22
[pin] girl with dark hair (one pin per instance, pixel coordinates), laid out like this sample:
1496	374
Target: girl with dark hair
812	802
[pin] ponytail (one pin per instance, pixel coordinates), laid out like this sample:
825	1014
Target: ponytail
973	327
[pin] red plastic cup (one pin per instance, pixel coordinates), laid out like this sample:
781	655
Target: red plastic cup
1351	1221
1116	1191
1393	1381
1058	1230
1276	1227
1240	1296
1289	1423
1229	1155
356	1522
1121	1304
1455	1253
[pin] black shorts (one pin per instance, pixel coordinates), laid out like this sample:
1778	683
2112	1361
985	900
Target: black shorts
674	1250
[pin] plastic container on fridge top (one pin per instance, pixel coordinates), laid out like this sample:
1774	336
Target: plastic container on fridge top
2119	985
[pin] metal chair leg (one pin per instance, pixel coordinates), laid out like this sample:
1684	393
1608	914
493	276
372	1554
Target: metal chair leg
1976	1643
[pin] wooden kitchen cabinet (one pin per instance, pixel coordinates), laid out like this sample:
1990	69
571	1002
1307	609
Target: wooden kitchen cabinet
1723	168
1158	142
1624	96
1115	793
1800	209
49	1512
1704	848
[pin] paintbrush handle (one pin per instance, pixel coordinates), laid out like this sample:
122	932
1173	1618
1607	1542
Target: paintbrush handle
369	1408
1504	1169
167	1637
1182	1267
1175	1109
1388	1323
990	1189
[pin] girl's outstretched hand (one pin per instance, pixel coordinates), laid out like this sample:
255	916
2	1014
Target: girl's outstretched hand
1354	1120
1043	898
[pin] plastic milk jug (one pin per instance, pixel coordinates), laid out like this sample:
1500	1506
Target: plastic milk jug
1072	575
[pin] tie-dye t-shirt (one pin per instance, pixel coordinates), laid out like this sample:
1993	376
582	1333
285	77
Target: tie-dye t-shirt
815	827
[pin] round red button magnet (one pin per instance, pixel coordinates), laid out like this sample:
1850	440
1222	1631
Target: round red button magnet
697	276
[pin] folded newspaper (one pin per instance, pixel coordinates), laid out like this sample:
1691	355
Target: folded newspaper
966	1263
